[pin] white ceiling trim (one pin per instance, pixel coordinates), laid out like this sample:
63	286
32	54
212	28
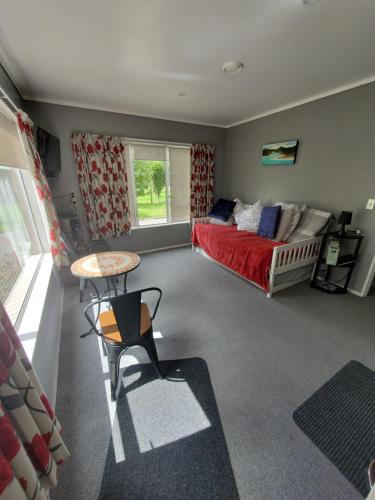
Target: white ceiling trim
62	102
281	32
295	104
315	97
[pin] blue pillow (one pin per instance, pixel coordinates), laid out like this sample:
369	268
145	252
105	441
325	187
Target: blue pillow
222	209
269	221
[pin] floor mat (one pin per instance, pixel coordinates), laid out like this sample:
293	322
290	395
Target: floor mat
339	418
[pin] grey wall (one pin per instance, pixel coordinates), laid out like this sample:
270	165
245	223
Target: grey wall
47	346
61	121
335	167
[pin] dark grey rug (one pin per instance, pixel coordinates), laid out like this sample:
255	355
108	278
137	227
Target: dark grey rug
339	418
172	439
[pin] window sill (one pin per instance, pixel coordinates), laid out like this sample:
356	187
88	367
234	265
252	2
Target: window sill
166	224
32	314
18	296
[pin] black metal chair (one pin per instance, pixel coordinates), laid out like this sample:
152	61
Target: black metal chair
127	324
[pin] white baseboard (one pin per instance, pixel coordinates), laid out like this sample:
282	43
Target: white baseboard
53	396
165	248
369	281
355	292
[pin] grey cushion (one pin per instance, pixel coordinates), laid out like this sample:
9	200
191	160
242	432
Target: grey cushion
297	214
285	222
312	223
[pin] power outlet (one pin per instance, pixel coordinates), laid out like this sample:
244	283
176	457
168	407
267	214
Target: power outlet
370	204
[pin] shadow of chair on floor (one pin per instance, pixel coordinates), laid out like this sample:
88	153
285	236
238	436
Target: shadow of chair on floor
170	437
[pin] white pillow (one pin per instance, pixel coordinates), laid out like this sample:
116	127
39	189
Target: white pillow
247	216
240	206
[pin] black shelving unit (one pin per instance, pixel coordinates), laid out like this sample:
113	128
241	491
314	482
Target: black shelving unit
322	273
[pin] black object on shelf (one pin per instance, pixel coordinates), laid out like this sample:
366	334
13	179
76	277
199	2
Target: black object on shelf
323	267
345	219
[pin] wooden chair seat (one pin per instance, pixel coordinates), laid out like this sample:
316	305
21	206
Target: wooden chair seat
110	329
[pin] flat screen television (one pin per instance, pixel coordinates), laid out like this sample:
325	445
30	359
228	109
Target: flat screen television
49	152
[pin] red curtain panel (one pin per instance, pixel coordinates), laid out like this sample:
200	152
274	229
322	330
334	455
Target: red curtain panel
25	129
30	442
103	182
202	165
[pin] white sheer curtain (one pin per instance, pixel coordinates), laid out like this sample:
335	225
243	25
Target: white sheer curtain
12	224
179	174
11	152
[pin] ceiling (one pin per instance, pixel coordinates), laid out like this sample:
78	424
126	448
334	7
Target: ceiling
136	56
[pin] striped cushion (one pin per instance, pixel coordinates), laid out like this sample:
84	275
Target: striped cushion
294	221
312	223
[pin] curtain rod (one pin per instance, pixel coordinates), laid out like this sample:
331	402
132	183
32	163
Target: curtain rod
8	101
153	142
133	140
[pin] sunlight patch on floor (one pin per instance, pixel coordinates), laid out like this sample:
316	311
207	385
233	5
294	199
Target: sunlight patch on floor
126	360
178	416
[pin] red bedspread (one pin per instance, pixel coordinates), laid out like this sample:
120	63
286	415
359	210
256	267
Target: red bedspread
245	253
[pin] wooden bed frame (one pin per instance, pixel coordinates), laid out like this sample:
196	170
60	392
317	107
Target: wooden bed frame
285	258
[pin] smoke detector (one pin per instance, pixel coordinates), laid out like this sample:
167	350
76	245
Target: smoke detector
232	67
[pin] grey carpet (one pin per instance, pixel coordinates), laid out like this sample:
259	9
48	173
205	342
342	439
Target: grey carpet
339	418
172	437
265	358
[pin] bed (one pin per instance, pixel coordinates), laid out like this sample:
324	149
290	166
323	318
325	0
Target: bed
270	265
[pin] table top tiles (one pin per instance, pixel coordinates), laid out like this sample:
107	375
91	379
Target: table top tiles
104	264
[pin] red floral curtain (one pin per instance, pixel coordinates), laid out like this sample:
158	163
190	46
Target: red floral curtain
25	129
202	165
103	181
30	441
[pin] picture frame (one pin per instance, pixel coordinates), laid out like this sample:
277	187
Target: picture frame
280	153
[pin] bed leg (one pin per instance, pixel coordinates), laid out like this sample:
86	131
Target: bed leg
272	279
271	275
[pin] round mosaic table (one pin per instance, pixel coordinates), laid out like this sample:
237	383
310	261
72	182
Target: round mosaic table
108	265
105	264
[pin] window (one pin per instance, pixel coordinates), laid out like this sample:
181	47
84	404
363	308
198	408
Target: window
22	239
160	176
20	246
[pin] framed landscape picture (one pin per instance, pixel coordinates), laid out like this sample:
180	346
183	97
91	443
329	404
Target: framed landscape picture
280	153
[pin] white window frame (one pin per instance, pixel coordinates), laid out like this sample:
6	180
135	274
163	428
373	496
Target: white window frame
16	302
129	143
40	224
32	288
